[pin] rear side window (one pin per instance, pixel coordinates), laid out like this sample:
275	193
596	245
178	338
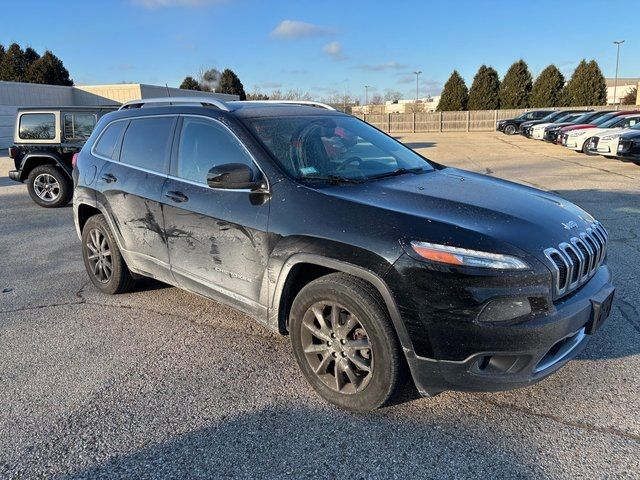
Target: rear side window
37	126
205	144
146	143
78	126
106	146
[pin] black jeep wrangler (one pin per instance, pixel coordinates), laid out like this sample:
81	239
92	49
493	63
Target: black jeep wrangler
45	141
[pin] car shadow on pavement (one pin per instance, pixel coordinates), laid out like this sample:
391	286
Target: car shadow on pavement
298	441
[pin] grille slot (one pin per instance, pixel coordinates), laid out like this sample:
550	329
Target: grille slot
575	262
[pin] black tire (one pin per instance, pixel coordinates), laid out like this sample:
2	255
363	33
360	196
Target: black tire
356	301
49	186
119	279
510	130
585	146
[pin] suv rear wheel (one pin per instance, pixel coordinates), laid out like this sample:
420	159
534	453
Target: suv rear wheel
49	186
102	258
344	343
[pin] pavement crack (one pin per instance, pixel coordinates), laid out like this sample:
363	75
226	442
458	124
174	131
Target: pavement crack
569	423
629	312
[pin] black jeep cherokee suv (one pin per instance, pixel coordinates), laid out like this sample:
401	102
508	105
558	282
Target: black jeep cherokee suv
45	141
375	260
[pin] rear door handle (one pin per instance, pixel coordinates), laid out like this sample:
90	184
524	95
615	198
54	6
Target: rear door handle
107	177
177	197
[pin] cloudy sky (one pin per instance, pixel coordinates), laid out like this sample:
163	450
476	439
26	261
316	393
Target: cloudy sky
322	46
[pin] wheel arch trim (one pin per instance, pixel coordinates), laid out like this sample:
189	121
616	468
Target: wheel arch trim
341	266
31	158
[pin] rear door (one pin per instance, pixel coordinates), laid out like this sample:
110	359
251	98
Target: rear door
130	186
218	241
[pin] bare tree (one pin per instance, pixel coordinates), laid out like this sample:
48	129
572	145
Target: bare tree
376	99
209	79
292	94
392	95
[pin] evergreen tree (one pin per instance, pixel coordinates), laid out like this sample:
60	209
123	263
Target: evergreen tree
516	86
631	97
455	94
190	83
49	70
485	90
1	55
30	56
13	65
587	85
230	83
547	89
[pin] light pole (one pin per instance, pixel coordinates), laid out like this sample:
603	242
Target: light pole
615	82
366	94
417	74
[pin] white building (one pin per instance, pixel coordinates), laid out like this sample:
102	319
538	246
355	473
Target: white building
14	95
625	85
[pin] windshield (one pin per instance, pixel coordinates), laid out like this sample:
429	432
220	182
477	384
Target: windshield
552	116
334	148
583	118
605	119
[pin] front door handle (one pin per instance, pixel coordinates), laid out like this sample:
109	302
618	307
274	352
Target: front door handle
177	197
107	177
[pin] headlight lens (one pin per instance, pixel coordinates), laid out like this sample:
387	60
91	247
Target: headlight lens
610	137
575	134
465	257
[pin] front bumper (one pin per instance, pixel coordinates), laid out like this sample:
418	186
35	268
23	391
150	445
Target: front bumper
16	175
467	355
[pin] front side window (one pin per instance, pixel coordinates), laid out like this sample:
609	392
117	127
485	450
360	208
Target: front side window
37	126
106	146
205	144
78	126
630	122
146	143
320	147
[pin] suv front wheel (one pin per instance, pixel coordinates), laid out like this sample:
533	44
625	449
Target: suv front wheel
344	343
49	186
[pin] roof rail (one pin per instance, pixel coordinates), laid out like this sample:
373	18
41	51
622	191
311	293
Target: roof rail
203	101
292	102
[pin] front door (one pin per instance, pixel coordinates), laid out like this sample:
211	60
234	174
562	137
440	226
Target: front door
218	241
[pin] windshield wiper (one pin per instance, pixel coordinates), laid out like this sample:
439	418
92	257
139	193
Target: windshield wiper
396	172
332	179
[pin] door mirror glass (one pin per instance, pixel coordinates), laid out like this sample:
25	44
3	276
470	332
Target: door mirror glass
233	176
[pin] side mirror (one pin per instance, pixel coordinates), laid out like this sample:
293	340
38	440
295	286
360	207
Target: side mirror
233	176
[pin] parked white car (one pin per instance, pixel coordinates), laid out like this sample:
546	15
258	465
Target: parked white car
537	132
607	143
578	140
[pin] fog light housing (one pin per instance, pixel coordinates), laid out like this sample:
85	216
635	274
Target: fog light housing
505	309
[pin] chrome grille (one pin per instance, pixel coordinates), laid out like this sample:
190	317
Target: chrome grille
574	262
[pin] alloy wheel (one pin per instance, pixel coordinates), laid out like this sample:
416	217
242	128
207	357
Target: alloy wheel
99	255
46	187
337	347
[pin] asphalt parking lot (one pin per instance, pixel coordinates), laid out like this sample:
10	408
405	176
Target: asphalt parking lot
161	383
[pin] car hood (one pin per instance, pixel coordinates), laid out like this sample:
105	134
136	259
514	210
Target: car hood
580	126
485	208
633	133
593	131
610	131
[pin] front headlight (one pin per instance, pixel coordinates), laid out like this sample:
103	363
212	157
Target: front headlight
465	257
610	137
575	134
